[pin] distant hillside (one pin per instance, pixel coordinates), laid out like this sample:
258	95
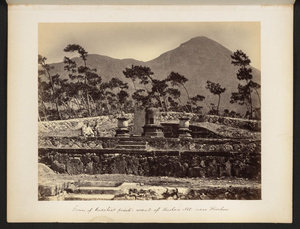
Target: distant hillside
199	59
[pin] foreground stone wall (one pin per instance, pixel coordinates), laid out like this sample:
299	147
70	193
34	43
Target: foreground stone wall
66	190
217	193
153	163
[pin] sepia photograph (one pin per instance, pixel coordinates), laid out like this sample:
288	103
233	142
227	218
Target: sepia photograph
173	114
149	111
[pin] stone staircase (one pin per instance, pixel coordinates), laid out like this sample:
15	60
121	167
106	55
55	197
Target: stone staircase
132	144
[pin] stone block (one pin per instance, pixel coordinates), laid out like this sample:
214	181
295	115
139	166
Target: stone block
58	167
74	166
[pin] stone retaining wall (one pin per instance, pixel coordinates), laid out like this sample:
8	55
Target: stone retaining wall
153	163
198	144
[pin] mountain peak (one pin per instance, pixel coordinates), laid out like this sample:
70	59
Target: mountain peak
197	40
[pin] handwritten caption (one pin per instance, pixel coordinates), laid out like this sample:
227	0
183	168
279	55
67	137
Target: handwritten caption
119	210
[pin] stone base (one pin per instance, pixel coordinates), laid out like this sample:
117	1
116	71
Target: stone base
122	132
151	130
184	133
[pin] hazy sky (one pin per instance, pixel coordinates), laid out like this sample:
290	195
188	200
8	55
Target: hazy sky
145	41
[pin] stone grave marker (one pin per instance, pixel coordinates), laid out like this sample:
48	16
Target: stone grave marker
139	121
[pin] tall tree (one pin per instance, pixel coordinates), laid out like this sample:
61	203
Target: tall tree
255	86
53	80
44	95
244	94
117	91
142	98
215	89
177	79
86	78
174	94
131	73
122	97
195	100
144	75
242	97
159	87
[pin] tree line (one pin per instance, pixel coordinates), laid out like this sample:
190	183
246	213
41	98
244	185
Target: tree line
84	94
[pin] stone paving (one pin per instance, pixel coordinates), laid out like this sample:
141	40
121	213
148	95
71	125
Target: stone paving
128	187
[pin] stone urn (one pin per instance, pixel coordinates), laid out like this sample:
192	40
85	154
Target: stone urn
122	130
122	122
184	124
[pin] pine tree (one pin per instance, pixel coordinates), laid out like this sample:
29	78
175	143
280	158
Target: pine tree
215	89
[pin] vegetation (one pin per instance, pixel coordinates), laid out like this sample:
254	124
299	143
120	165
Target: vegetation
244	94
215	89
84	94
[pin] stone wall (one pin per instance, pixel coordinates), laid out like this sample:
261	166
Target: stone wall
153	163
214	193
72	127
108	124
247	124
194	144
253	125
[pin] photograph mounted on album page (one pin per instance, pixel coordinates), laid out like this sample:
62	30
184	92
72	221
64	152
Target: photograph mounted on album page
150	113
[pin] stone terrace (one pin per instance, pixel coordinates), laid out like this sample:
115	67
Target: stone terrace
226	158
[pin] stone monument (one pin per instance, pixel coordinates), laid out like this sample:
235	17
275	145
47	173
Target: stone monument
138	121
152	126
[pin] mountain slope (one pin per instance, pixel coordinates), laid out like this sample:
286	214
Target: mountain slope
199	59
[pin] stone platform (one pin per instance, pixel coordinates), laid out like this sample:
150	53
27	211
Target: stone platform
138	188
